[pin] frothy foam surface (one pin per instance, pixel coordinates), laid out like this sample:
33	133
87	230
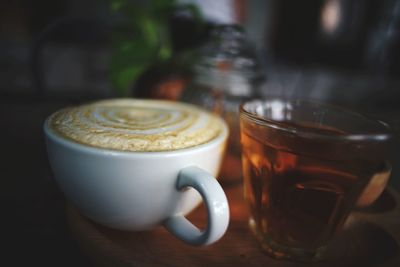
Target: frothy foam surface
136	125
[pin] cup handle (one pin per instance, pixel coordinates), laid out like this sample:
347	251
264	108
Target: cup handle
215	201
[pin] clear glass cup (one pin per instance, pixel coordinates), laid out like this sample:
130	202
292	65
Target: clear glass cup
305	165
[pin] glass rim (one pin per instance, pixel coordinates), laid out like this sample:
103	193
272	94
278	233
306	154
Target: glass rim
383	136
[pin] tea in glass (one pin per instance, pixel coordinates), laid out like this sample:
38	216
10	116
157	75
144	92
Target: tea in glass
305	165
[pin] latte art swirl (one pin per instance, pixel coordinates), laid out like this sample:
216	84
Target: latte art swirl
136	125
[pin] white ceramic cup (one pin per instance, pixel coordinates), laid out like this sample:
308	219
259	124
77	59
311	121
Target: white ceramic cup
139	191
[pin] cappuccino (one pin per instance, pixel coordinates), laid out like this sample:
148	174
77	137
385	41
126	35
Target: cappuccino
136	125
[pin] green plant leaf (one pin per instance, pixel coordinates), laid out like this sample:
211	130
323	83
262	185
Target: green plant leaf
123	78
142	39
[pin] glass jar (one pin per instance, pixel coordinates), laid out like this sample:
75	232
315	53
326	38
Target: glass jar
226	73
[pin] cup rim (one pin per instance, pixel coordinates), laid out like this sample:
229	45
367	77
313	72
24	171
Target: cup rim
49	133
270	123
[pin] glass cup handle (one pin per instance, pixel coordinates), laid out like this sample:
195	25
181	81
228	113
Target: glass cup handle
217	209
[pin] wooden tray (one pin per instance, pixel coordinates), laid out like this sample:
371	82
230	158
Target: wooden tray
371	238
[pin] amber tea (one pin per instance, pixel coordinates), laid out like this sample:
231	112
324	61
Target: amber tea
301	179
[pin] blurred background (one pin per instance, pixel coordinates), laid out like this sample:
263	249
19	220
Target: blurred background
212	53
335	50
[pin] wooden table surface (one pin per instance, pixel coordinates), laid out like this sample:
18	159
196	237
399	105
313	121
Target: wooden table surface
34	226
371	238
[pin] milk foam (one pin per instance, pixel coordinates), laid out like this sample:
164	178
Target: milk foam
136	125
